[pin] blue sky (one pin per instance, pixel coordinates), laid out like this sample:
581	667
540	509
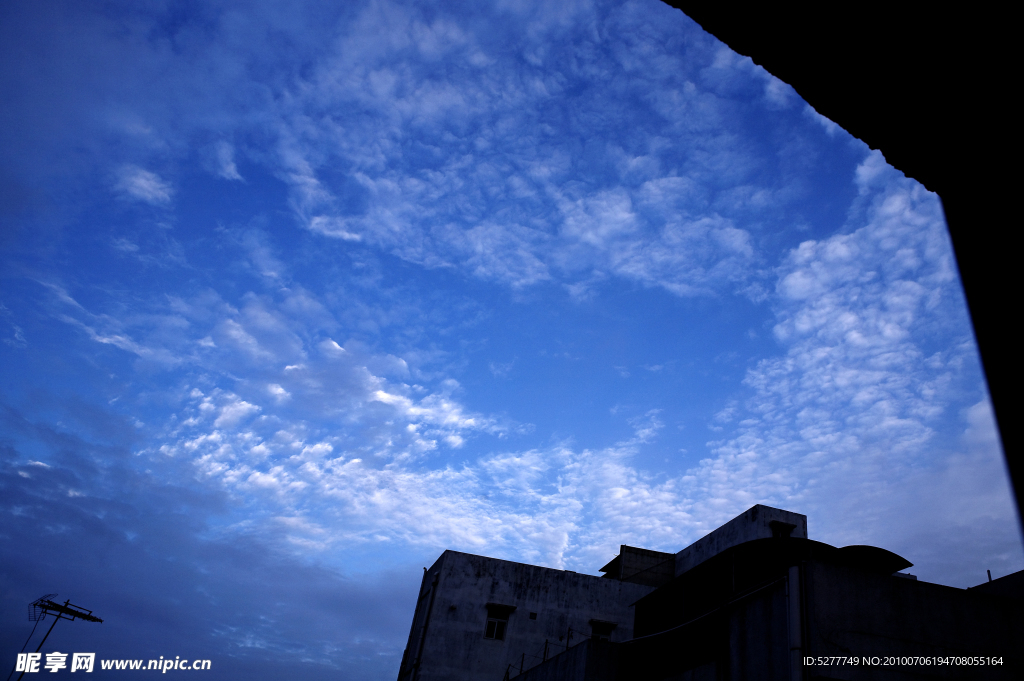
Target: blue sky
295	296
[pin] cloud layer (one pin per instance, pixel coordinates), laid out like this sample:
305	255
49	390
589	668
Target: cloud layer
298	295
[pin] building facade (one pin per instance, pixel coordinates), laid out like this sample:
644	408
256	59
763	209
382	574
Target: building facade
482	618
754	600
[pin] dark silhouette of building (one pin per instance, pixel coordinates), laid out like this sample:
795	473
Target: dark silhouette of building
477	617
755	599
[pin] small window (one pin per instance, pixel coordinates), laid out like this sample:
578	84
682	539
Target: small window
497	620
601	630
495	629
781	530
533	615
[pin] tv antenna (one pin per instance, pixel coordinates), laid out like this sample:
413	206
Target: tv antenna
45	605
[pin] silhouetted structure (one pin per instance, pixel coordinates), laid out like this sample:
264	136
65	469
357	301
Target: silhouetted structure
37	612
755	599
478	617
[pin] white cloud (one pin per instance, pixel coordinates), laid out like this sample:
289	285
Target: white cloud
872	171
830	126
278	393
226	167
598	220
413	135
348	446
333	227
777	92
108	330
557	506
853	409
260	255
849	410
142	185
435	409
494	185
234	412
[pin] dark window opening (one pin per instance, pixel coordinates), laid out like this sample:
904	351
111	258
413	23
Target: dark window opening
533	615
497	620
601	630
781	529
495	629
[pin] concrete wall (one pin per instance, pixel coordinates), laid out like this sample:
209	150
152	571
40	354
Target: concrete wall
824	610
451	616
755	523
641	566
588	661
854	613
741	639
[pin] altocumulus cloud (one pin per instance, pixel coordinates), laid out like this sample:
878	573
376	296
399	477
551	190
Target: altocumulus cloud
467	148
863	405
302	294
853	409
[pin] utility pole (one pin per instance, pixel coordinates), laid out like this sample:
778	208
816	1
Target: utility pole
43	606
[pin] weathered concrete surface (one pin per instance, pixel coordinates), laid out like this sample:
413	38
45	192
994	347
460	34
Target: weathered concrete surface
592	660
641	566
759	609
855	613
743	639
447	638
755	523
751	601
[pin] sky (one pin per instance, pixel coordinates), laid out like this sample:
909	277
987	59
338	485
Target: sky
294	296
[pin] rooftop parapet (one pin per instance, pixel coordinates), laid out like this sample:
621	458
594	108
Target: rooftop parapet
757	522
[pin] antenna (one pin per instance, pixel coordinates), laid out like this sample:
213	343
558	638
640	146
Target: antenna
43	606
35	610
69	611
